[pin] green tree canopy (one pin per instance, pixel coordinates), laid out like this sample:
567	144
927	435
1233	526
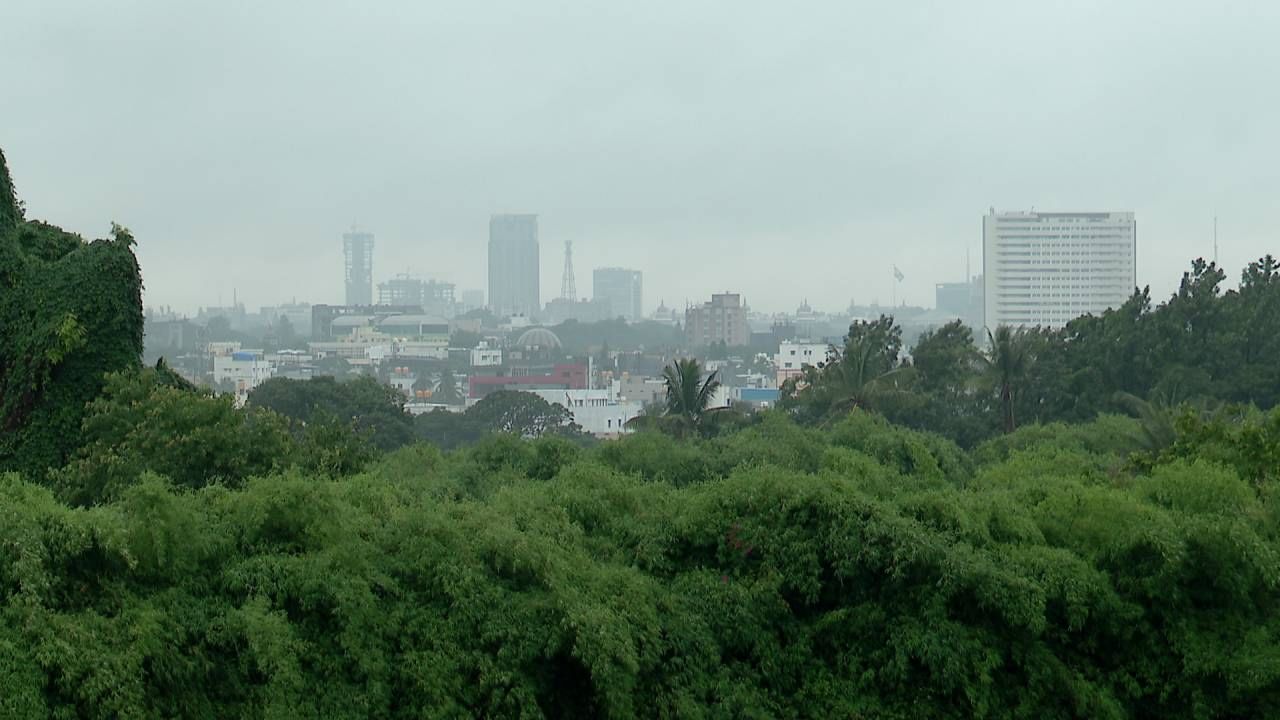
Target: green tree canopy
144	421
522	414
70	312
867	372
860	570
364	403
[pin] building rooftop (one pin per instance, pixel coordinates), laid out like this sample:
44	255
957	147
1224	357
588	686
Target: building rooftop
403	320
352	320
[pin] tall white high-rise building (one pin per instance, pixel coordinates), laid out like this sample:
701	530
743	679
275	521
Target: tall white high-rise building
1049	268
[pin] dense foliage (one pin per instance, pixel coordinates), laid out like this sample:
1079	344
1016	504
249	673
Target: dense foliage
509	412
862	570
70	311
371	408
1201	347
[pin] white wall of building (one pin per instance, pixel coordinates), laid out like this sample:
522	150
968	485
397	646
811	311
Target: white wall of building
641	389
1049	268
793	356
595	410
437	349
485	356
245	375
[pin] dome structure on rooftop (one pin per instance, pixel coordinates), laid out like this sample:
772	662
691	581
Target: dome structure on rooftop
538	339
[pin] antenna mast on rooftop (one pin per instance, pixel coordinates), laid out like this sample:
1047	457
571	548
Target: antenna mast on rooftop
568	290
1215	239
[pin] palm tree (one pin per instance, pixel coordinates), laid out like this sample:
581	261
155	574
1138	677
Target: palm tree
1158	414
1157	420
688	394
1008	360
447	389
858	375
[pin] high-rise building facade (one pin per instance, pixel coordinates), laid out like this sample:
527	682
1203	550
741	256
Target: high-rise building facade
471	300
723	320
358	249
513	265
621	288
962	300
1047	269
433	296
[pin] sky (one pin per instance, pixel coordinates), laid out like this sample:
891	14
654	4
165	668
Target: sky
788	151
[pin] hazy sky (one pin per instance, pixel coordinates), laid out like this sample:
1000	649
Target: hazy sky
786	150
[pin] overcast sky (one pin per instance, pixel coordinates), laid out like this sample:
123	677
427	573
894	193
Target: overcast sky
785	150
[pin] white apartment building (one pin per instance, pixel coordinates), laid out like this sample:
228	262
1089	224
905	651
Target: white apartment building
244	370
793	356
1049	268
597	411
483	355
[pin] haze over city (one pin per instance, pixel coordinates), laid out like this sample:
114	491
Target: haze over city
639	360
783	152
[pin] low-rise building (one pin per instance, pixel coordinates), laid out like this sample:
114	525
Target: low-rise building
403	379
756	397
641	388
597	411
353	346
556	377
215	349
793	356
422	349
485	355
244	370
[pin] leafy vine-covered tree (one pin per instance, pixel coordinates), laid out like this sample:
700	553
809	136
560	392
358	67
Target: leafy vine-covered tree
70	312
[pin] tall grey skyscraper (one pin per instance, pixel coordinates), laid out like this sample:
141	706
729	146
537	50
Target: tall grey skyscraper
1049	268
513	265
621	287
358	248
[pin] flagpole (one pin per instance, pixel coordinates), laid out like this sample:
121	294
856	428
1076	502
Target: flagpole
893	289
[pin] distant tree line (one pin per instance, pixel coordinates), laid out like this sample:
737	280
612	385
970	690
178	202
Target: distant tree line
1201	346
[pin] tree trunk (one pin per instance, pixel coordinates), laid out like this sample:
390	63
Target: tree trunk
1006	397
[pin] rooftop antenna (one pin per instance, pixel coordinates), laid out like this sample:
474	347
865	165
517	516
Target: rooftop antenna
568	290
1215	239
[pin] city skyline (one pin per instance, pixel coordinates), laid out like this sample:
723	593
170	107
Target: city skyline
795	154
